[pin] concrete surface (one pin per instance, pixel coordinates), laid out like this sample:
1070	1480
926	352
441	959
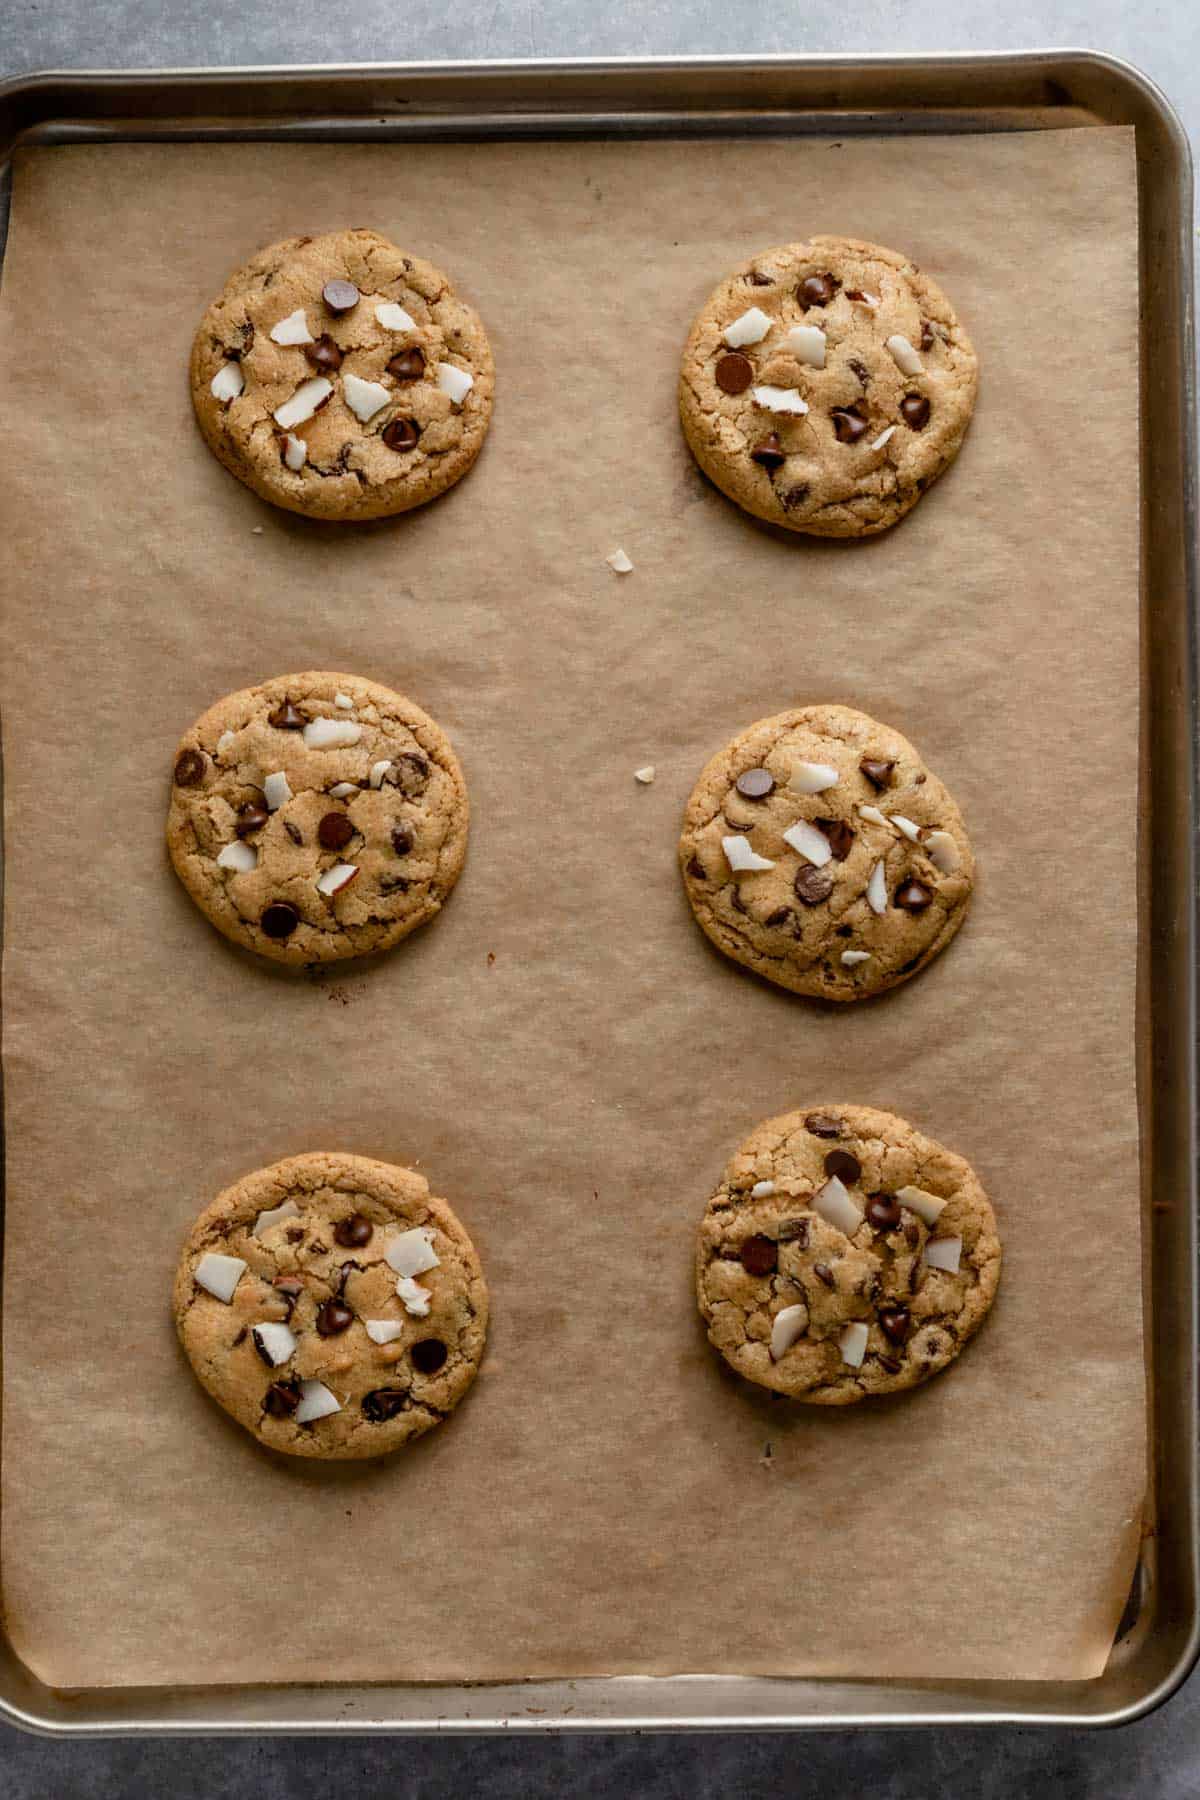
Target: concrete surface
1158	1759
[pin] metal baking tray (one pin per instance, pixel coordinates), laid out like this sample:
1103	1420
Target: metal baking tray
1031	91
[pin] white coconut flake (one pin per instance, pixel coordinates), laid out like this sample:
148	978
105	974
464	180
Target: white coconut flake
225	742
812	778
275	1340
741	857
748	328
228	382
337	878
877	890
330	734
287	1209
379	770
944	1253
393	317
927	1207
619	562
342	790
762	1190
219	1275
779	400
344	701
808	343
276	790
454	381
836	1207
912	832
853	1344
384	1331
316	1402
942	850
295	453
852	958
904	356
364	398
292	330
412	1252
413	1297
811	843
786	1327
883	437
873	815
644	775
239	857
306	400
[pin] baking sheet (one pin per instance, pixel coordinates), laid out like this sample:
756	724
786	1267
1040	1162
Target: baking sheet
604	1500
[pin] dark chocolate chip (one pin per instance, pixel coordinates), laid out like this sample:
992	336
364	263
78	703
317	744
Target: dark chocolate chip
756	278
286	718
840	836
281	1399
926	335
352	1232
407	365
734	373
428	1356
382	1404
759	1255
401	435
755	784
879	774
294	1234
812	885
824	1273
696	869
848	424
794	497
250	818
340	296
847	1168
335	831
887	1362
293	831
402	840
769	454
883	1212
793	1231
861	370
855	294
894	1323
190	767
780	916
736	901
280	919
823	1125
817	290
333	1317
912	1235
913	896
410	773
345	1271
324	354
914	410
241	1336
845	931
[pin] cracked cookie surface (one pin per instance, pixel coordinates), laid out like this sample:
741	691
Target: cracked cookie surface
313	1275
416	430
800	1298
874	879
307	850
821	411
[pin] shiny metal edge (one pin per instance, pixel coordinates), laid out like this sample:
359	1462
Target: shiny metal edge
882	94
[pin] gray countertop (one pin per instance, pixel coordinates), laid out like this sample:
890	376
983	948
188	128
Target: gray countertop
1158	1759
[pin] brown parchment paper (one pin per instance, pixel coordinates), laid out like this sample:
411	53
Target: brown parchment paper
607	1499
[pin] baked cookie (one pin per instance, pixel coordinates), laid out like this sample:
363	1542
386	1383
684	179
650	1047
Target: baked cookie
317	817
844	1255
332	1305
818	850
341	378
825	385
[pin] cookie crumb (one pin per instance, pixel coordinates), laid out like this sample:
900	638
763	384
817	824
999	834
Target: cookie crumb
619	562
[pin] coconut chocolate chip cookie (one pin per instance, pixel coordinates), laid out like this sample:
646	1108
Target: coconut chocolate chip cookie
340	377
332	1305
844	1254
317	817
825	385
819	851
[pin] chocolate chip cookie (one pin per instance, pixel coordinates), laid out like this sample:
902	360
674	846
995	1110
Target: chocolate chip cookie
317	817
343	378
819	851
844	1254
825	385
332	1305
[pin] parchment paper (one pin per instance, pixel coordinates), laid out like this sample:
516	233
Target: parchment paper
607	1499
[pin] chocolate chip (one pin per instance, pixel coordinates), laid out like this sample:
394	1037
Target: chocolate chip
324	354
823	1125
190	767
794	497
286	718
696	869
293	831
280	919
755	784
793	1231
333	1317
250	818
928	334
734	373
428	1356
855	294
813	885
294	1234
848	424
914	1276
914	410
401	435
861	370
352	1232
780	916
241	1336
382	1404
281	1399
845	931
770	453
817	290
410	773
345	1270
736	901
894	1323
340	296
879	774
887	1362
402	840
912	1235
883	1212
824	1273
407	365
335	831
913	896
840	836
757	279
759	1255
847	1168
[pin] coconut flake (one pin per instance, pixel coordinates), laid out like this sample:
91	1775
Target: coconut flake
307	399
342	790
286	1210
393	317
413	1297
786	1327
239	857
384	1331
619	562
836	1207
455	382
852	958
228	382
412	1252
295	452
944	1253
853	1345
330	734
364	398
275	1341
644	775
811	843
877	890
292	330
748	328
912	832
741	857
379	770
941	848
219	1275
276	791
926	1206
316	1402
904	356
812	778
873	815
779	400
762	1190
344	701
883	437
808	343
335	879
225	742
